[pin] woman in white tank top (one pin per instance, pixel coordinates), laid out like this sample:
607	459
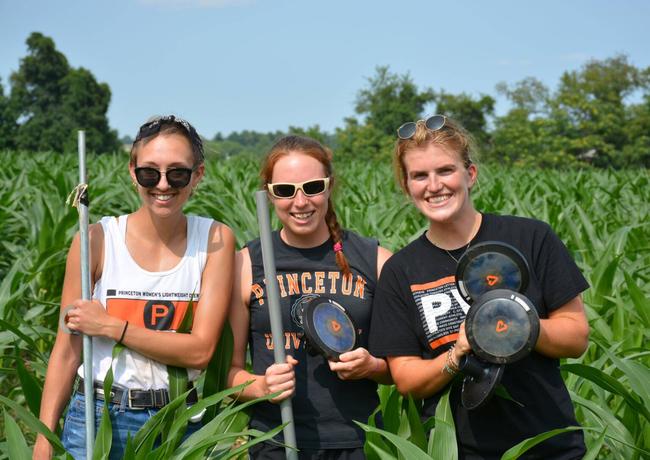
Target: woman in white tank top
146	269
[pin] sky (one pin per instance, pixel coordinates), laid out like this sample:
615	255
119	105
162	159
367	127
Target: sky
265	65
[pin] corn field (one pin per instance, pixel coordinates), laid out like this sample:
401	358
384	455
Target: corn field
603	216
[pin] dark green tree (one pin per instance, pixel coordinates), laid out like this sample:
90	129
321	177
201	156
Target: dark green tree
7	122
472	113
593	103
527	135
390	100
52	101
357	140
316	133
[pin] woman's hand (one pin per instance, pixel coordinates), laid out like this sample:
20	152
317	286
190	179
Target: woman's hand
281	377
89	317
462	346
356	364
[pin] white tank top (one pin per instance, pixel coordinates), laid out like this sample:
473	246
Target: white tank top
155	300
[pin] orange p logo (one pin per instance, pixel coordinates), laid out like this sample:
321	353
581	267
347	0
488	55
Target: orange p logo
158	314
501	326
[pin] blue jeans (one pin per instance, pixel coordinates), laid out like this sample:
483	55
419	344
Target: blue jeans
123	422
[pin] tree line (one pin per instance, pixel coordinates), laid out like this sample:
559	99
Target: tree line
599	114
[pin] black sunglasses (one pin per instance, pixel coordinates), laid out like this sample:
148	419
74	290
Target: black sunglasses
155	125
149	177
432	123
288	189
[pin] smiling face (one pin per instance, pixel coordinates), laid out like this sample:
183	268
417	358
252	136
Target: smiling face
165	152
302	217
439	183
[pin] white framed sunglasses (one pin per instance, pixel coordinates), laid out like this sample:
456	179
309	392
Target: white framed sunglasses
310	187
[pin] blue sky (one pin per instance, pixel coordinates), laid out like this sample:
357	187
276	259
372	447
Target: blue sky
229	65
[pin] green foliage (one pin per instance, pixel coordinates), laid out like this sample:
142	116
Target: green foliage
7	122
473	114
390	100
356	141
50	101
589	118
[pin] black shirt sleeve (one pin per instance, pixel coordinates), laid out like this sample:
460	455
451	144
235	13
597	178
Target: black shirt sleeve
559	276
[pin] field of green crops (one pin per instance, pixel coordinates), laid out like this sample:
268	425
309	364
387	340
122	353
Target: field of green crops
603	217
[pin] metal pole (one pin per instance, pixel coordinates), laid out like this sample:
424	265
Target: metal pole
85	295
275	315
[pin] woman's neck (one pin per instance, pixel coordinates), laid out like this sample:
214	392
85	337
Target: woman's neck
152	227
310	240
455	234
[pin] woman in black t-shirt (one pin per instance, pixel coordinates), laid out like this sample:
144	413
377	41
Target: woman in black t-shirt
418	316
314	257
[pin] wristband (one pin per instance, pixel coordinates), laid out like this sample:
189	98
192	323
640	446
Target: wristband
126	325
377	365
450	366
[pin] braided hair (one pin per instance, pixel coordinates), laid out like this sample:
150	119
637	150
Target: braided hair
314	149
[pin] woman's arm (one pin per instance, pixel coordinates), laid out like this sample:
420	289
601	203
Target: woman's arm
193	350
278	377
424	377
565	334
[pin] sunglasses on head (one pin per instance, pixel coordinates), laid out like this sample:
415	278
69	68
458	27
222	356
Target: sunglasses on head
149	177
155	125
288	190
433	123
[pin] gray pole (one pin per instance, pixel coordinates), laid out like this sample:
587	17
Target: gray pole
273	297
85	294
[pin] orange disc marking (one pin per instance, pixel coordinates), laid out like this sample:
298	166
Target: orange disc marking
501	326
492	279
335	326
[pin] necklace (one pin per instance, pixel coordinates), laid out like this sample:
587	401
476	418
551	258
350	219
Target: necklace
447	251
452	256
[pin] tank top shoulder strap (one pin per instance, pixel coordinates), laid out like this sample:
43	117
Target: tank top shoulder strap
198	234
114	242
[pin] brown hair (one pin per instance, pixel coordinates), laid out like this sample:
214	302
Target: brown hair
168	125
452	136
314	149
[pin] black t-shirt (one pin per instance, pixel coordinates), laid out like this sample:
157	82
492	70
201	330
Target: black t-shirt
418	310
324	406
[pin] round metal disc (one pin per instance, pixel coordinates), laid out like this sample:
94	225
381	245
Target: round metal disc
502	326
491	265
478	389
329	328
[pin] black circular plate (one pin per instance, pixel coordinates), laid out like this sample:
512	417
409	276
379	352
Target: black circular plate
329	328
502	326
491	265
478	389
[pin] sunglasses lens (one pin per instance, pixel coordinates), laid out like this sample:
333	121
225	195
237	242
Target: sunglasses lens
435	122
407	130
283	190
147	177
178	177
314	187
